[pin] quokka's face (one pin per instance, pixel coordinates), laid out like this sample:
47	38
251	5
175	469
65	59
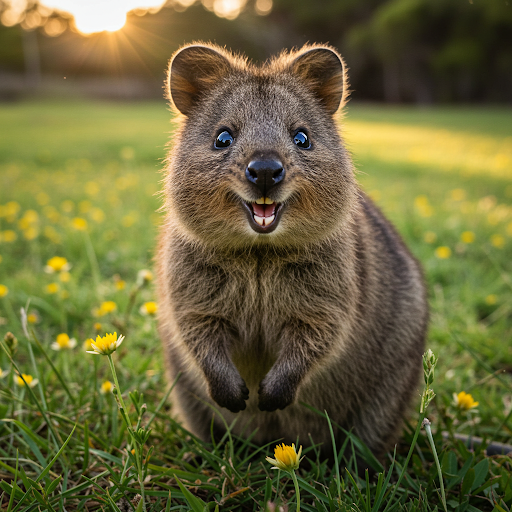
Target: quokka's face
258	159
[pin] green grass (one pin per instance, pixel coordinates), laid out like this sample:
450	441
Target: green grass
437	173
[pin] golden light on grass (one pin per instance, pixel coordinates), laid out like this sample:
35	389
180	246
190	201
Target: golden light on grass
106	345
464	401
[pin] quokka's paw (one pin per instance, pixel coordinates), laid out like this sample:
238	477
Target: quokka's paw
274	395
231	395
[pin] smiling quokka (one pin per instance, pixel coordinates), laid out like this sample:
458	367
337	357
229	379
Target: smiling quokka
280	282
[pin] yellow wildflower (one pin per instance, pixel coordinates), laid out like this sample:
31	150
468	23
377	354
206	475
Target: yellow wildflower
106	387
31	382
429	237
79	224
9	235
64	277
88	344
33	318
106	345
498	241
468	237
443	252
492	299
149	308
57	264
30	233
464	401
458	194
286	458
3	290
144	277
97	326
52	288
106	307
63	342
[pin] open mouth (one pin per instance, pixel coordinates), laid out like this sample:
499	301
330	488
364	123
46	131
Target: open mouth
263	214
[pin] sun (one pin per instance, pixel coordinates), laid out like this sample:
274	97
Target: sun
100	15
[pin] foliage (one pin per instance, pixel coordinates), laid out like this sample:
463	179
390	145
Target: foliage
442	175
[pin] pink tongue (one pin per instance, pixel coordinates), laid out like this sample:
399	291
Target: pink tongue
264	210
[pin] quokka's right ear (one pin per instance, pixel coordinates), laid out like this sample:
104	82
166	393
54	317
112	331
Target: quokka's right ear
192	71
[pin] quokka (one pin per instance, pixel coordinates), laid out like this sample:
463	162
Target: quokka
280	282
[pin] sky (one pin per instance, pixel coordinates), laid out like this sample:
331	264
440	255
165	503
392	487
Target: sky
98	15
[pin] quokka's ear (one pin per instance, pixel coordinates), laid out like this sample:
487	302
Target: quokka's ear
324	72
192	71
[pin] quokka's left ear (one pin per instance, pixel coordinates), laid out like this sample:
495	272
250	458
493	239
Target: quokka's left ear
323	70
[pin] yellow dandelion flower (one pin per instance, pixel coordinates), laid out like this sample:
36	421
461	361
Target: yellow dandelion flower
57	264
52	288
120	284
31	382
79	224
97	326
286	458
423	206
106	387
107	307
468	237
430	237
33	318
492	299
65	277
97	215
88	344
91	188
3	290
149	308
9	235
67	206
464	401
63	342
31	233
443	252
144	277
498	241
106	345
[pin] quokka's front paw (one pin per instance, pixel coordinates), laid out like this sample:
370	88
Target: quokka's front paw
230	394
275	394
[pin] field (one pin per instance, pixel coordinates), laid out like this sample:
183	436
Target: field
80	181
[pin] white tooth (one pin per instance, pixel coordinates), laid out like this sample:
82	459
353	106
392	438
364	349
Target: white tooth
261	200
259	220
268	200
269	220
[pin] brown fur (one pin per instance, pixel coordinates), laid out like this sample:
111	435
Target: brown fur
328	309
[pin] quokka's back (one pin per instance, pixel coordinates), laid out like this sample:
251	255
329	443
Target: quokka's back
280	282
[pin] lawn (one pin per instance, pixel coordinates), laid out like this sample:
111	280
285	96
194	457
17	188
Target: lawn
80	181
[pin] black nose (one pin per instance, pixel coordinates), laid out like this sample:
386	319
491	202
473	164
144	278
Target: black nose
265	174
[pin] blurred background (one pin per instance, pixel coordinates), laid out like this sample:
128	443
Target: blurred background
398	51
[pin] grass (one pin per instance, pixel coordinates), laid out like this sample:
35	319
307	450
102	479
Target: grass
80	180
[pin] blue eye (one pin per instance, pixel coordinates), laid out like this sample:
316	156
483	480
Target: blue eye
302	140
223	140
